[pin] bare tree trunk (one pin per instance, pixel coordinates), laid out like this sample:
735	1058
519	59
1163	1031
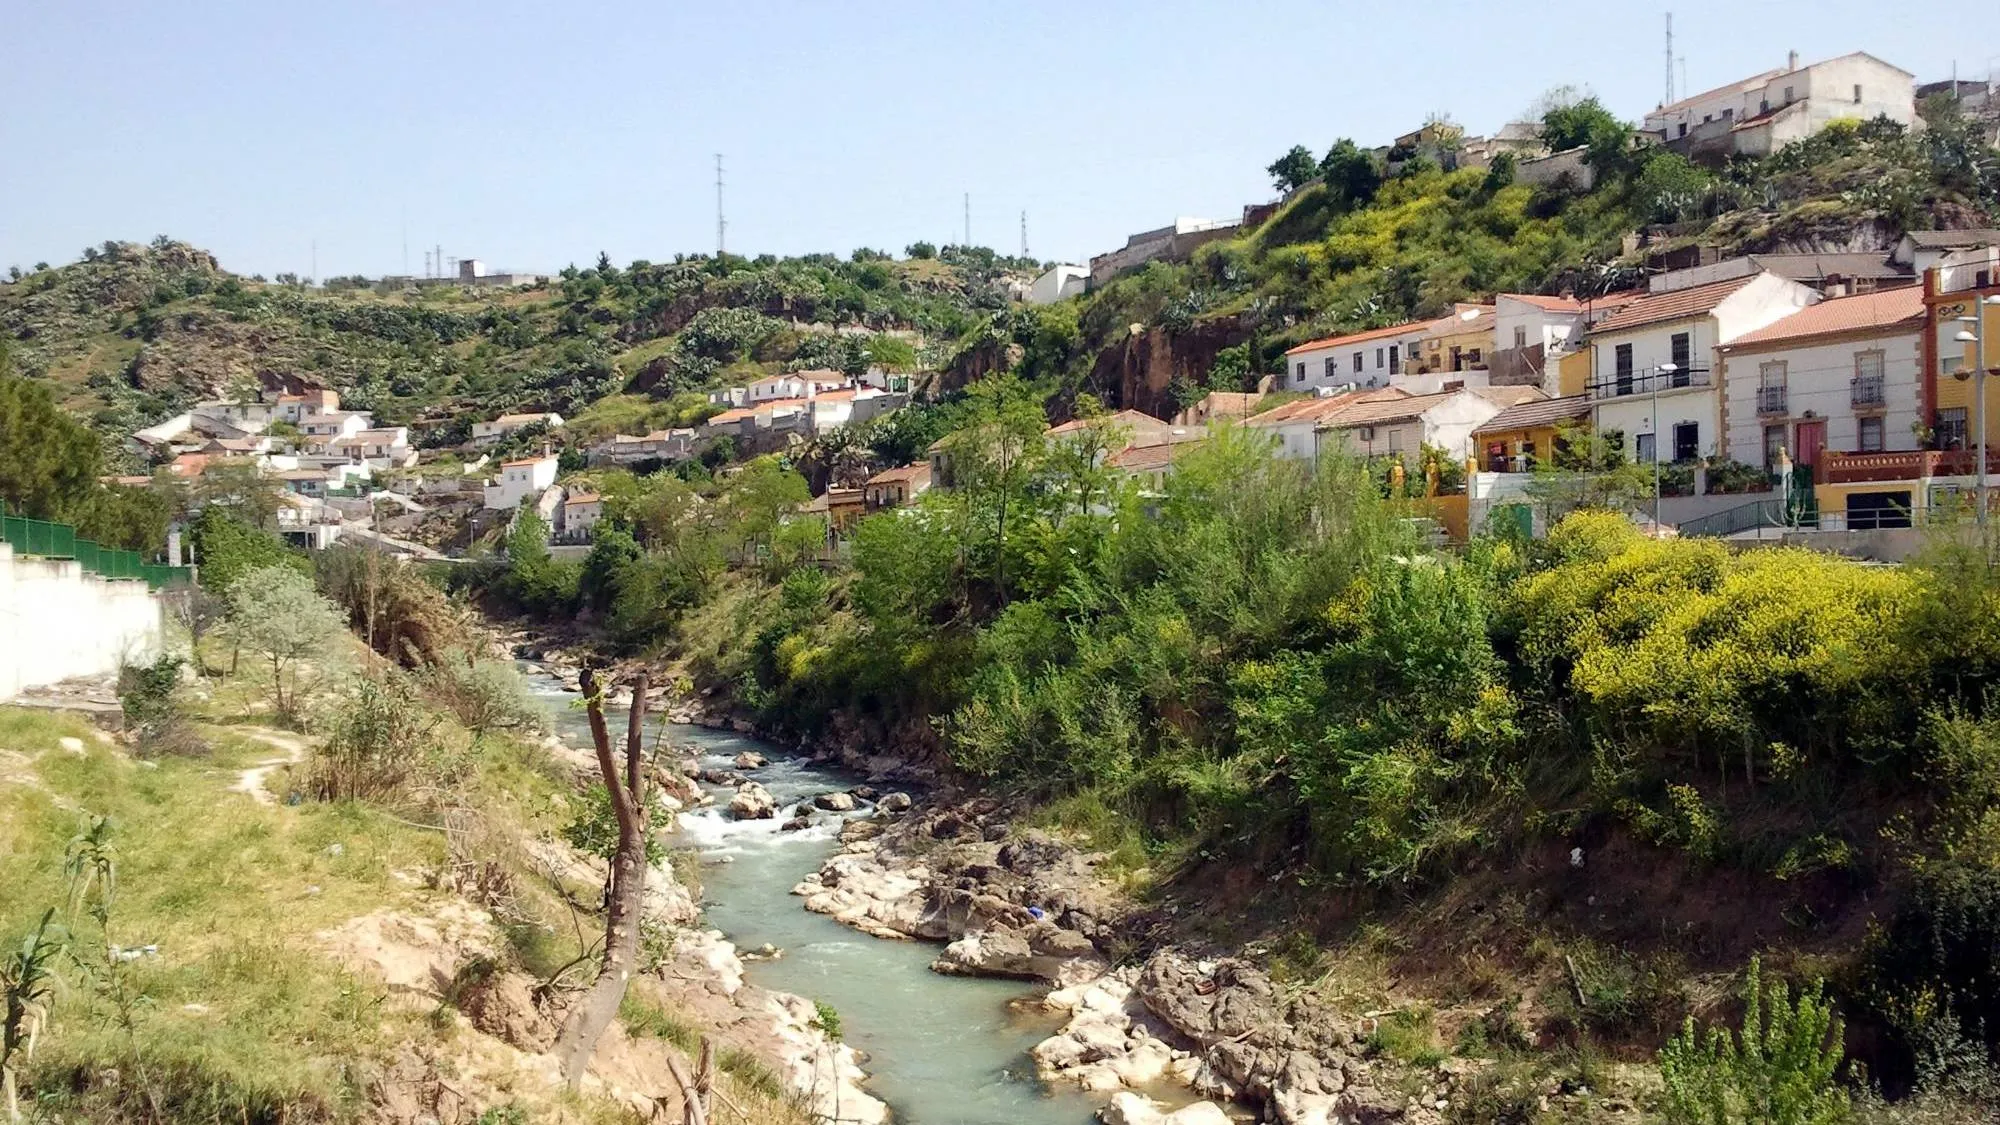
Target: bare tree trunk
628	881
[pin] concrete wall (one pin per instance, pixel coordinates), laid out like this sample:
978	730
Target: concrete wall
57	622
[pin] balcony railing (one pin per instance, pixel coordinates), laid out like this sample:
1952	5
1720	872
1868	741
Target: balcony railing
1770	400
1868	391
1631	383
1861	468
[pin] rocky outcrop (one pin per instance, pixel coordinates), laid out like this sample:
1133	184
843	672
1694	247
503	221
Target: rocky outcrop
1039	951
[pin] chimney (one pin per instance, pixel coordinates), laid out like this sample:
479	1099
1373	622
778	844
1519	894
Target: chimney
1792	61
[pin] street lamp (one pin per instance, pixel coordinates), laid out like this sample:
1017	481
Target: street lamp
1665	371
1976	336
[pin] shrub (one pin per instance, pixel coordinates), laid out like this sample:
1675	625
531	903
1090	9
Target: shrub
1778	1069
381	743
483	695
149	695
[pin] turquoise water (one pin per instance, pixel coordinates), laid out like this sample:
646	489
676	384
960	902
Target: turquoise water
941	1050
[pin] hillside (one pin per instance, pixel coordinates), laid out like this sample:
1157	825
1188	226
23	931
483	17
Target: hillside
133	333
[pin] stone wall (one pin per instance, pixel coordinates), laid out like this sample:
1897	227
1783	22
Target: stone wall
57	622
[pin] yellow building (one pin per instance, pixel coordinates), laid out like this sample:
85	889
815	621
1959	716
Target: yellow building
1573	373
1524	435
1458	341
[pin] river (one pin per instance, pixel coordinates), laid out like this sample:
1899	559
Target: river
941	1050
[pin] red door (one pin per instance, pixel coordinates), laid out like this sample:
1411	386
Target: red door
1812	439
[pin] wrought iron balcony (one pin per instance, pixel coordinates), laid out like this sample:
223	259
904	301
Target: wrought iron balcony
1868	391
1770	400
1626	384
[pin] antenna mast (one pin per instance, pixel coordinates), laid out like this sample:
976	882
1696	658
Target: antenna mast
1024	234
721	224
1670	60
968	220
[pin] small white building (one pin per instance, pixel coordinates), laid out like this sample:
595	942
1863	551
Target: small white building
1843	375
1059	282
1361	360
1761	114
1653	361
1921	250
326	430
581	511
297	408
1401	427
630	449
1532	333
487	433
1292	426
520	480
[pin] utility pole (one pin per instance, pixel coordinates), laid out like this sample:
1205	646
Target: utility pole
313	277
721	224
968	221
1670	63
1024	234
437	260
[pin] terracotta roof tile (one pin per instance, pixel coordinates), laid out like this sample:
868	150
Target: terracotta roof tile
1384	410
1890	308
1540	412
1412	328
1680	304
914	474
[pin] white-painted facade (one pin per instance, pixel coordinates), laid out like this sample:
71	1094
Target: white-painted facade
1364	361
1445	421
1764	113
60	622
1770	391
487	433
1686	413
1057	283
520	480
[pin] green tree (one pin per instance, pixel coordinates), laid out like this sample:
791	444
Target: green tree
275	613
228	548
921	250
1587	124
48	460
1293	170
1351	175
612	553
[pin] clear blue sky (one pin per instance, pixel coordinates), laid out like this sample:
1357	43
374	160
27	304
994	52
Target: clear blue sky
533	135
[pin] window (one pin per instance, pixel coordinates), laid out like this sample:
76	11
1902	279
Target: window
1395	439
1379	359
1869	389
1683	357
1332	370
1684	129
1869	437
1644	442
1302	373
1474	359
1857	93
1520	336
1624	360
1395	360
1413	349
1771	388
1687	441
1774	443
1764	105
1357	363
1951	428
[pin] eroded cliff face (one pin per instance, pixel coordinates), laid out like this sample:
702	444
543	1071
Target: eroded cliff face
1139	371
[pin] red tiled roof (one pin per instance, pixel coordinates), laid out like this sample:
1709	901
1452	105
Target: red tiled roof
1132	419
515	464
1552	304
1890	308
582	498
914	474
1680	304
1411	328
1536	413
1308	409
1141	458
1385	410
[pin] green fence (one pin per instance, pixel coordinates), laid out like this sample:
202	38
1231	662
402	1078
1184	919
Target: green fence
48	540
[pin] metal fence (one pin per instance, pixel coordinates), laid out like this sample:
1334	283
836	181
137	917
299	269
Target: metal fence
50	540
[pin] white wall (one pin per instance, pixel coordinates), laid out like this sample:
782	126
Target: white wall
518	482
57	622
1819	378
1375	364
1057	283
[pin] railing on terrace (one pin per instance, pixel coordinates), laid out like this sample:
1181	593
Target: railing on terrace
1915	464
49	540
1641	382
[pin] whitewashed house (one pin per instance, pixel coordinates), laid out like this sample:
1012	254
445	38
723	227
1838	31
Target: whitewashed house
1361	360
1763	113
581	511
1843	375
520	480
1059	282
1401	427
297	408
487	433
324	431
1922	250
630	449
1532	333
1653	361
1292	427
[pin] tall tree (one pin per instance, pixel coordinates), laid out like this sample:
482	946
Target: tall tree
1351	175
48	460
594	1012
1293	170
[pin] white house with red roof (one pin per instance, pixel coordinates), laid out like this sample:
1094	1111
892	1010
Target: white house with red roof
1360	360
1532	332
1652	377
1843	375
520	480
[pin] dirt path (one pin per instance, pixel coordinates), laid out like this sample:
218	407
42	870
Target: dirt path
251	781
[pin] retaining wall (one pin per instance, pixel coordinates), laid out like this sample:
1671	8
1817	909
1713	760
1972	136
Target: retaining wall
57	622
